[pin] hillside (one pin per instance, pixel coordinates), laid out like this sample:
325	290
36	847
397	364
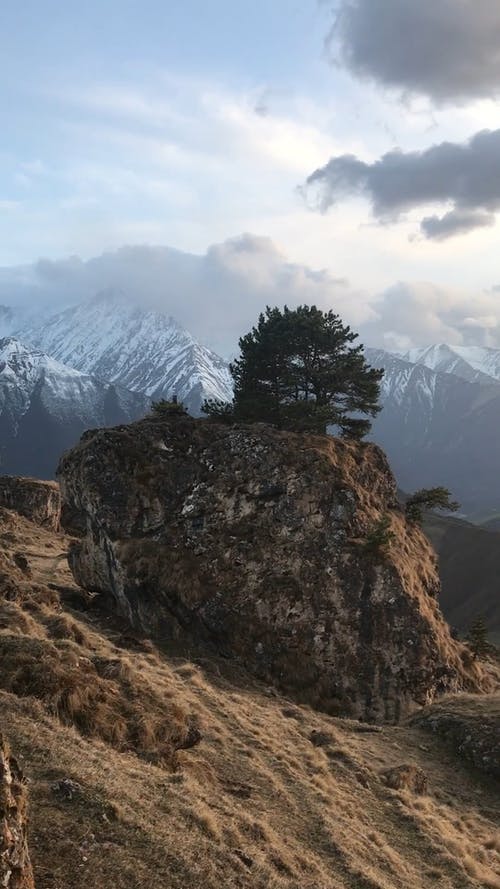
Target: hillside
469	568
272	795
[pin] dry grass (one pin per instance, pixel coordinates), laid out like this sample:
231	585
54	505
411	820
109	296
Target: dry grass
258	804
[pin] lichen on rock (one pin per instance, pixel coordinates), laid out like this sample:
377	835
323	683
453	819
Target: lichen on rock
251	541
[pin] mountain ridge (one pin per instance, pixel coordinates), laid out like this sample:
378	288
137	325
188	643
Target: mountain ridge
476	364
439	429
45	406
142	350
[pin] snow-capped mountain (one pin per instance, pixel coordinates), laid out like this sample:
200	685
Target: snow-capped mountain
140	349
45	406
439	429
477	364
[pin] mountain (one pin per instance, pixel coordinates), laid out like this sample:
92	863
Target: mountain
469	569
476	364
142	350
439	429
45	406
13	318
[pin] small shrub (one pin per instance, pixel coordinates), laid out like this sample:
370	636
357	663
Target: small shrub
380	537
164	408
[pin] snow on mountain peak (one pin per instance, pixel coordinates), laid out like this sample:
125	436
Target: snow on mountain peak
45	406
143	350
476	364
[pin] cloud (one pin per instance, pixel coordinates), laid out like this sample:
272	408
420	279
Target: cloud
448	50
456	222
467	175
421	314
217	296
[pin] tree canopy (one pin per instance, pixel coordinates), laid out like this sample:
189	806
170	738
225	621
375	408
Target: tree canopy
298	369
428	499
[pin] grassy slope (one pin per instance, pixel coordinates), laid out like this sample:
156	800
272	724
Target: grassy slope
256	804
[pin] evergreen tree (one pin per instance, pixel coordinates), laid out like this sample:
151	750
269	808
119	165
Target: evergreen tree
429	498
299	370
477	638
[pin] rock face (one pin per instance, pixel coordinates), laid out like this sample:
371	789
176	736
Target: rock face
15	867
38	501
252	541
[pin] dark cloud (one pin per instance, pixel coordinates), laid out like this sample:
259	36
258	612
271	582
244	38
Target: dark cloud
456	222
448	50
465	175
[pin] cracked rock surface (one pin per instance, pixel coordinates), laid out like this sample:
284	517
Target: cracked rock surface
251	541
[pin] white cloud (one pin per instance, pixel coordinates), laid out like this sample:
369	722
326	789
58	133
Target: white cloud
218	295
420	314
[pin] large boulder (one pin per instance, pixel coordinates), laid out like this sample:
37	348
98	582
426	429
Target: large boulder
15	866
254	542
38	501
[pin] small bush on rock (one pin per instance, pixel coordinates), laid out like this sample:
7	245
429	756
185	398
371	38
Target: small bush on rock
164	408
380	537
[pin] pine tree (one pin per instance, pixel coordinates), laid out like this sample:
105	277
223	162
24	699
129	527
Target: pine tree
477	638
299	370
429	498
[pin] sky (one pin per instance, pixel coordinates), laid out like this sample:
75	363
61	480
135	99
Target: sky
346	152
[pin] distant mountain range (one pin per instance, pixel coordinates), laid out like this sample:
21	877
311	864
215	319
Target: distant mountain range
476	364
99	363
440	428
142	350
45	406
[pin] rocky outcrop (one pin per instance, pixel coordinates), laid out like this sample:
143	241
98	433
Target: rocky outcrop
254	542
38	501
15	867
471	726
